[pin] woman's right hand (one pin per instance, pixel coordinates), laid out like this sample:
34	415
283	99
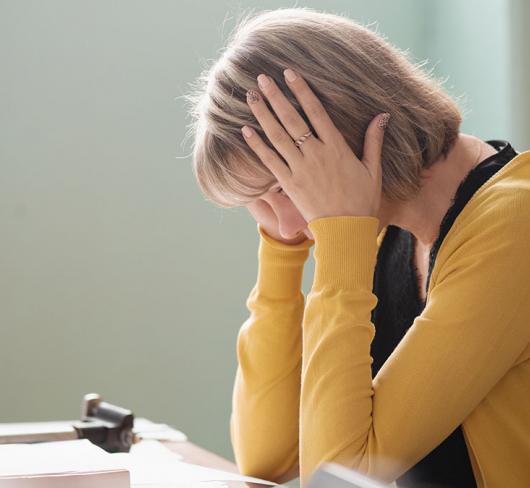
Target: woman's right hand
265	216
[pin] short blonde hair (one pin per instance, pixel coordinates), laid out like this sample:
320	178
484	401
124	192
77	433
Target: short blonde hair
354	72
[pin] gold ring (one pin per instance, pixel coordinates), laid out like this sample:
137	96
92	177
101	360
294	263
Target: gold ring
302	139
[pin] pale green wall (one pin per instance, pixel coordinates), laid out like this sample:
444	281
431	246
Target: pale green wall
472	46
519	38
115	275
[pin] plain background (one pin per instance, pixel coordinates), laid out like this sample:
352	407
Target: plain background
116	276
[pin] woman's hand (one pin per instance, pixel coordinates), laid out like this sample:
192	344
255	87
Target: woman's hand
323	177
265	216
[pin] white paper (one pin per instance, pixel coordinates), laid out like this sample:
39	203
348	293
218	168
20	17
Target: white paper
51	457
151	462
62	463
162	432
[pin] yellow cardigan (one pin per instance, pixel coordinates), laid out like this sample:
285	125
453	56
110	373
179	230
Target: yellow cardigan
304	393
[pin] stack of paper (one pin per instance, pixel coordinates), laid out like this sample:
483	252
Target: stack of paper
81	464
64	464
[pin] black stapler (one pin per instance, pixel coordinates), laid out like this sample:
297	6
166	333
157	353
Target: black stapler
108	426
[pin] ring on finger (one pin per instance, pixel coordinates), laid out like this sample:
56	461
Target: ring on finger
298	142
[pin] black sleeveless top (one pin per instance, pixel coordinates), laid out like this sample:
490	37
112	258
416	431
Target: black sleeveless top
399	302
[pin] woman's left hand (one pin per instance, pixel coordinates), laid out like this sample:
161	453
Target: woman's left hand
323	177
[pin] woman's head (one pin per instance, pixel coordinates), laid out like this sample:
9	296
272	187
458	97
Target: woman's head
355	73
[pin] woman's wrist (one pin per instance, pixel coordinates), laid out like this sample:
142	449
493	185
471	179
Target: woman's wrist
285	243
301	237
281	265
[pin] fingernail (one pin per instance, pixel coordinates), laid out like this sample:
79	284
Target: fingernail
247	131
383	121
253	96
290	75
263	81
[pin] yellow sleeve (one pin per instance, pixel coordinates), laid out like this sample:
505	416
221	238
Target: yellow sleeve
473	328
266	396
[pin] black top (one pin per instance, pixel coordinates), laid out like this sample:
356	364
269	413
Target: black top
399	302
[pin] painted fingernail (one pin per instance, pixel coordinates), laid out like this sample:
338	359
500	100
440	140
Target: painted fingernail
383	121
290	75
253	96
263	81
247	131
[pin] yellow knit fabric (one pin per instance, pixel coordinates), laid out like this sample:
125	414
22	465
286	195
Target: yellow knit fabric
304	393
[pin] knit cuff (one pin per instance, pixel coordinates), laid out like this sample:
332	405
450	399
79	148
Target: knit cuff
345	251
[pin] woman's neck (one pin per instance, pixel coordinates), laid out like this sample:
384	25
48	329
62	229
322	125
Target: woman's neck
422	215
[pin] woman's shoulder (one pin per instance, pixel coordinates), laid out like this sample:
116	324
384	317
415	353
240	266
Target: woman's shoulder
502	199
494	225
514	175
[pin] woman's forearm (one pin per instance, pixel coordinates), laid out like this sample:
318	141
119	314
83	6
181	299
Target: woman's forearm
471	333
266	395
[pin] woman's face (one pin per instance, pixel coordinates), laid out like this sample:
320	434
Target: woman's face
281	214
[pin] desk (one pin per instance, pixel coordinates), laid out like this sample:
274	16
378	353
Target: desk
192	453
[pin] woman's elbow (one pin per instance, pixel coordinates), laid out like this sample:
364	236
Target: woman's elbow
267	470
264	460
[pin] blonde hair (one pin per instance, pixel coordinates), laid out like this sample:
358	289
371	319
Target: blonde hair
354	72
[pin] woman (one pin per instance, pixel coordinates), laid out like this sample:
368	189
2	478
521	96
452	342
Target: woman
410	360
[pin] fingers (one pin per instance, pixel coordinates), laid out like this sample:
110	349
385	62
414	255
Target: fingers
274	131
290	118
373	141
267	155
313	108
